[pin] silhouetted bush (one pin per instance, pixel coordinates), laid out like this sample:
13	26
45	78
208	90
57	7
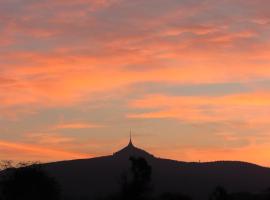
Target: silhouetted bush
28	183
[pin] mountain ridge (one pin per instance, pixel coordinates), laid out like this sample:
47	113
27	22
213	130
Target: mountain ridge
99	176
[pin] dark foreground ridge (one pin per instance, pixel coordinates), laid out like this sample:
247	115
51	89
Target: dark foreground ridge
99	177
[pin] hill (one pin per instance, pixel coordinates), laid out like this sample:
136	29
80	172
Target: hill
98	177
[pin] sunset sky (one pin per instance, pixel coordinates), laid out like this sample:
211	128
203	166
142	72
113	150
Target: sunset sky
191	78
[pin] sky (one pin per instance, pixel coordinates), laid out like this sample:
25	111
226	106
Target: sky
191	78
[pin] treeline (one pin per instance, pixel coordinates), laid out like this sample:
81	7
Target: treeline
28	181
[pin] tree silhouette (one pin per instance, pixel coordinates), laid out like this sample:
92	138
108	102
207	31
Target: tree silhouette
6	164
28	183
219	194
139	185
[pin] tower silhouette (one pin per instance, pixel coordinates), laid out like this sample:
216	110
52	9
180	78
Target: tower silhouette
132	150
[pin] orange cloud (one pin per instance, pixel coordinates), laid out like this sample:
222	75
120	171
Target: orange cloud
20	151
77	125
61	54
48	139
246	107
59	84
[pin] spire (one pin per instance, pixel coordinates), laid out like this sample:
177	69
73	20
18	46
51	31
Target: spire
130	138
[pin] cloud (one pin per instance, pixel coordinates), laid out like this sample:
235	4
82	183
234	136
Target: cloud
28	152
64	53
68	55
77	125
236	107
48	139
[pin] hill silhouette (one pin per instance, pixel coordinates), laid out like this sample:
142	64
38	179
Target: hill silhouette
100	177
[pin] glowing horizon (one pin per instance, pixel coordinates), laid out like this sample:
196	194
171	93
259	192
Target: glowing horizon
190	78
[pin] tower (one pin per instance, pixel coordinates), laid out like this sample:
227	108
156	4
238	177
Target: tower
131	150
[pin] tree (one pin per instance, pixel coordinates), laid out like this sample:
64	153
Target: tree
139	185
28	183
219	194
